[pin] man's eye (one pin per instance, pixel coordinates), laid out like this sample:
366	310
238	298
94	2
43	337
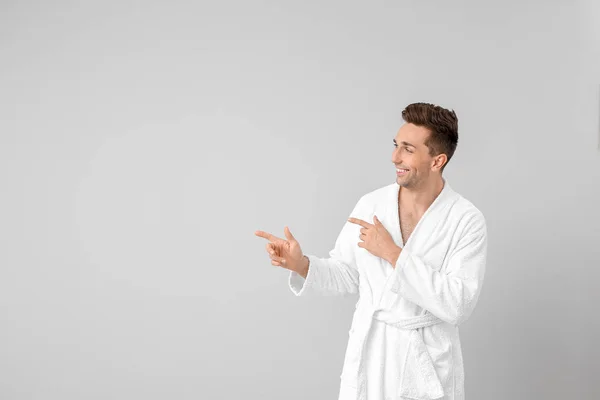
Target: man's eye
405	148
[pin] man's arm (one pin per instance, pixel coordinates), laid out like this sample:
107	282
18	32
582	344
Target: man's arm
450	295
335	275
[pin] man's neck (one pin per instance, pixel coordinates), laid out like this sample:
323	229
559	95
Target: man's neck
418	200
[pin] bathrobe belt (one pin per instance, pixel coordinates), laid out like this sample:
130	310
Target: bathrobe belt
420	380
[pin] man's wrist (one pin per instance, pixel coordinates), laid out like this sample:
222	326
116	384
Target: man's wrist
394	255
304	265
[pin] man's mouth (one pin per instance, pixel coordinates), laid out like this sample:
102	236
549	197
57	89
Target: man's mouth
401	171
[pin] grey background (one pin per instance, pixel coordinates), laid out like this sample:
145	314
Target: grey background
143	143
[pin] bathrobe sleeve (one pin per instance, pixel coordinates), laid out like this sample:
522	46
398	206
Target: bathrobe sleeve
450	295
337	274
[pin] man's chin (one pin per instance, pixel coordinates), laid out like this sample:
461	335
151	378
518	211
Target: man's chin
404	182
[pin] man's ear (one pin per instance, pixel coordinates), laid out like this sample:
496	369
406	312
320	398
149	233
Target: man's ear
439	161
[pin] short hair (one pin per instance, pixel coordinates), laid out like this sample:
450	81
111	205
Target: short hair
441	123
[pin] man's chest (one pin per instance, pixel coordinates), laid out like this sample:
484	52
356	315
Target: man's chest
408	221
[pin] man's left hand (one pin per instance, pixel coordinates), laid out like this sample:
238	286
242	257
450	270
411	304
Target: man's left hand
377	240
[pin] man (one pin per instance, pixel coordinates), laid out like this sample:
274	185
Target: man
415	251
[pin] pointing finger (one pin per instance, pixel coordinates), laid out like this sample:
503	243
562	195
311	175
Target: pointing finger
360	222
267	236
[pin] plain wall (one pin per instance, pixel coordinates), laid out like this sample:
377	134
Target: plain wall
143	143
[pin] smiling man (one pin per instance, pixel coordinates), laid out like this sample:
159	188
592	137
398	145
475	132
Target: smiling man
415	252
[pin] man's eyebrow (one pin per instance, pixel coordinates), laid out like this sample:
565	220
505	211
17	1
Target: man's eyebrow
406	143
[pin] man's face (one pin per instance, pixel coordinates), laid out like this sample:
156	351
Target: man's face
410	152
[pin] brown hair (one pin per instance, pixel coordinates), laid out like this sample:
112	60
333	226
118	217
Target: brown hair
442	125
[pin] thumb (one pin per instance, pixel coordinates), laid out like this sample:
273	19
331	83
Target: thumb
288	234
376	220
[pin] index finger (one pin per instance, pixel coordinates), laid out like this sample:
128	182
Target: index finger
267	235
360	222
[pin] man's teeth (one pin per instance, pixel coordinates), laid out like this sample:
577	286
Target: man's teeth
400	170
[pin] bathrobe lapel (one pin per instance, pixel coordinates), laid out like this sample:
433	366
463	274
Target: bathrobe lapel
423	234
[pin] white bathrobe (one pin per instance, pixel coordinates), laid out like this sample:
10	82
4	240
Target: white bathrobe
403	341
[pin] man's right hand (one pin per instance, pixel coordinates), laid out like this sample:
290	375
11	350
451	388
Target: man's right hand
285	253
